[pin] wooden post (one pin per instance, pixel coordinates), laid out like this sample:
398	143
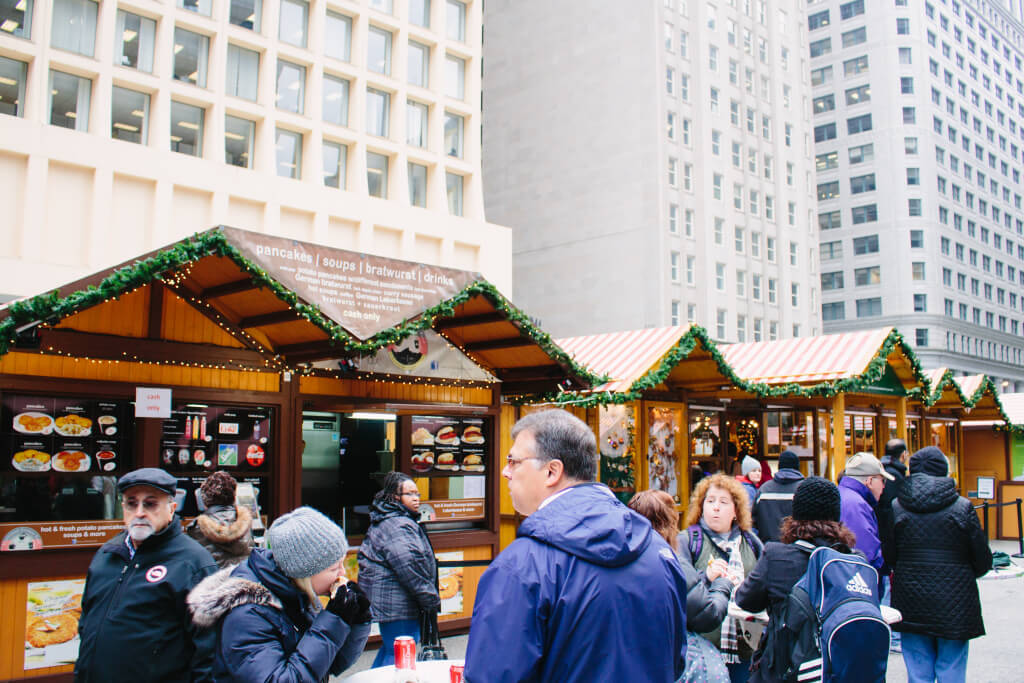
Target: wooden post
838	453
901	418
683	455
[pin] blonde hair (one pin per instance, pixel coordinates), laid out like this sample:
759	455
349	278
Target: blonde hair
305	584
740	500
659	508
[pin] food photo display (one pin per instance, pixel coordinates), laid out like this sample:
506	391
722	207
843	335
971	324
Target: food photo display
448	445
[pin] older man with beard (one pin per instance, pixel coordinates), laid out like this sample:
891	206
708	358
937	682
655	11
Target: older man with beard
134	625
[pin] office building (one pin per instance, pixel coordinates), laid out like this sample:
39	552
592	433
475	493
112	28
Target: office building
127	124
917	112
654	162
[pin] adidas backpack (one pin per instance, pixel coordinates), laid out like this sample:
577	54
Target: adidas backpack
830	628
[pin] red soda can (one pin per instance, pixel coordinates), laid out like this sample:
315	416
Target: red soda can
456	673
405	652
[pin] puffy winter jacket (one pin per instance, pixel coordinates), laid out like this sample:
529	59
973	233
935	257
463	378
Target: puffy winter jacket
266	628
224	530
858	513
587	592
774	503
134	625
397	567
938	551
707	603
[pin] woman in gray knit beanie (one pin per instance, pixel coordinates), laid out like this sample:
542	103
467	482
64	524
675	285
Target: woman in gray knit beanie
272	622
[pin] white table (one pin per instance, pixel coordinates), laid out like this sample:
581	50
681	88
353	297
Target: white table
429	672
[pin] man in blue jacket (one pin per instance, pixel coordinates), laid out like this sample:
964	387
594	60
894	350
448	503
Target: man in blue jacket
860	488
588	591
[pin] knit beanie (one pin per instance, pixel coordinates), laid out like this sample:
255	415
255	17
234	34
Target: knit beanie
789	461
930	460
218	489
305	542
749	465
816	499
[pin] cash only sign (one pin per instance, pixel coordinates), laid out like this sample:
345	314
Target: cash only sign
363	293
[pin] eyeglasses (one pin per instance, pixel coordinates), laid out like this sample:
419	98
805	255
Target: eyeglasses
148	504
513	463
414	494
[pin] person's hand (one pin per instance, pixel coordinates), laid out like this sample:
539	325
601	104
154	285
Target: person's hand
717	568
351	604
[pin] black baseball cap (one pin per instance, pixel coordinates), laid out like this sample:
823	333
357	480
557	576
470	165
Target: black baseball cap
153	477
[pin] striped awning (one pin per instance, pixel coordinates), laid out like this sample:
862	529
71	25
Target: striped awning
935	378
1013	405
806	360
623	356
970	384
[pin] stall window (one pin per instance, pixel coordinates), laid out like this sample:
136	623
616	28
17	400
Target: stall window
705	444
860	433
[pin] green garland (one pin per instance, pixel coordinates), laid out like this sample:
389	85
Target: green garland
50	306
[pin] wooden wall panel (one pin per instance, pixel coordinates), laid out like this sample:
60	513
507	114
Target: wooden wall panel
390	391
125	317
182	322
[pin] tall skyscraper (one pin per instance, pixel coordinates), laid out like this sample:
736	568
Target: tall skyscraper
653	159
127	125
918	111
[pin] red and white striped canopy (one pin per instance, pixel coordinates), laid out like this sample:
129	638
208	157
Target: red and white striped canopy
622	356
806	359
934	378
969	384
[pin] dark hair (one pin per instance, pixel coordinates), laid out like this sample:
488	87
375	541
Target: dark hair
393	483
560	435
218	489
894	448
810	529
660	510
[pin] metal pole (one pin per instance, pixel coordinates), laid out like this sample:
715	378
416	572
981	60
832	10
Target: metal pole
984	519
1020	532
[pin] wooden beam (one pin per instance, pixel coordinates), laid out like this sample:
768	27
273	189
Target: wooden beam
112	347
527	387
286	316
901	418
554	372
210	312
236	287
320	346
838	452
470	320
154	323
499	344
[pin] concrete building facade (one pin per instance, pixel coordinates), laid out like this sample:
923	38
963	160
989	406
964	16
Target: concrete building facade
654	161
127	124
919	145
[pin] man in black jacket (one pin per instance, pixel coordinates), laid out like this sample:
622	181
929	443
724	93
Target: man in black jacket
775	498
895	463
134	625
937	551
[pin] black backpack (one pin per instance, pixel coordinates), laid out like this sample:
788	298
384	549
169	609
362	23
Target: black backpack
830	628
695	543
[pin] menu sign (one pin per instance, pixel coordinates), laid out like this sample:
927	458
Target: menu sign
42	434
364	294
39	535
448	445
205	437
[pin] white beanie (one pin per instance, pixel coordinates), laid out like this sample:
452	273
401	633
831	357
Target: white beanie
749	465
305	542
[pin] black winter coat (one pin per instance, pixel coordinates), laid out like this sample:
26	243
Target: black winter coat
134	625
707	603
266	628
883	511
938	550
774	503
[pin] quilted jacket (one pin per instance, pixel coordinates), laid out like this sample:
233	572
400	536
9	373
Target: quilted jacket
397	567
938	551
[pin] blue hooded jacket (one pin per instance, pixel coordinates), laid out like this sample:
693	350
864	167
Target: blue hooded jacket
587	592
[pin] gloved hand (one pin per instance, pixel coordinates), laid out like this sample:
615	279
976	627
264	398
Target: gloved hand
351	604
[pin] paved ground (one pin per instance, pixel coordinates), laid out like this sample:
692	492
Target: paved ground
992	657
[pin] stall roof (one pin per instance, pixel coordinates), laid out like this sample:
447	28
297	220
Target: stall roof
974	392
287	303
1013	405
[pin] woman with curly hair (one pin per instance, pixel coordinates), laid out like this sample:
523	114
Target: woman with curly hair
718	541
815	519
707	602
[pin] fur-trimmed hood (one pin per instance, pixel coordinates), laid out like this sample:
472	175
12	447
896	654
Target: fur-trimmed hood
218	529
218	594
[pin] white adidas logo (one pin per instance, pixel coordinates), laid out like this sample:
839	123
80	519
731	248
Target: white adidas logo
857	585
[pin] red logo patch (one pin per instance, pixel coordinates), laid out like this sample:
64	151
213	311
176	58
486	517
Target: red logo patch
156	573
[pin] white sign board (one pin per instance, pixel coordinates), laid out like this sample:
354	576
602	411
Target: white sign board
151	402
986	488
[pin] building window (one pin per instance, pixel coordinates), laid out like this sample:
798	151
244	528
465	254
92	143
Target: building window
821	47
187	128
16	17
453	184
377	174
294	19
386	6
872	275
291	86
902	26
869	308
239	138
831	250
829	190
773	288
741	283
134	36
416	124
720	323
905	55
69	101
191	51
417	185
921	304
246	13
858	124
825	132
673	166
851	9
378	112
821	76
913	176
862	153
688	222
198	6
456	21
336	100
835	310
288	149
857	65
826	161
855	37
378	51
335	164
817	20
419	64
242	76
338	37
829	220
453	134
909	115
862	183
129	115
832	280
917	240
673	219
674	312
858	95
921	336
865	245
823	104
74	26
720	277
913	207
419	13
673	266
691	270
917	271
455	77
741	328
794	294
864	214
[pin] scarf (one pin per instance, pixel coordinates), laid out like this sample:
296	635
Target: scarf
731	628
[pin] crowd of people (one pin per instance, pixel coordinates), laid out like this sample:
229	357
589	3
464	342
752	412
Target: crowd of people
591	589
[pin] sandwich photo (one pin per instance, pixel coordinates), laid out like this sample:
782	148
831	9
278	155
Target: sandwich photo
423	462
472	434
421	437
446	436
446	461
473	463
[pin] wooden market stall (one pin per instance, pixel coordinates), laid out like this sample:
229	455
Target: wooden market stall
305	371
